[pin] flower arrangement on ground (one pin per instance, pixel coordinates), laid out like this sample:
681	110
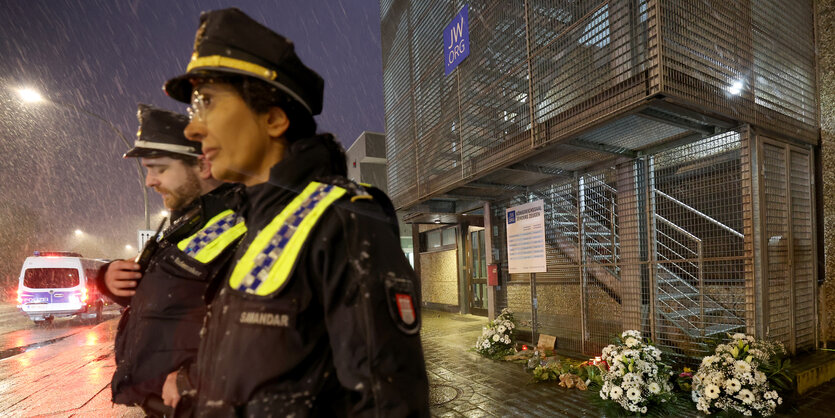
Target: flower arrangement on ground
735	378
496	340
569	373
635	378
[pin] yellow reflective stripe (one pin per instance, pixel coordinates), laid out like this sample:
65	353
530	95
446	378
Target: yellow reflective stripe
362	197
227	62
185	242
280	270
219	243
247	262
214	248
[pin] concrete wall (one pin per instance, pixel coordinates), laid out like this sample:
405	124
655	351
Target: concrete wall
826	84
439	277
519	301
366	160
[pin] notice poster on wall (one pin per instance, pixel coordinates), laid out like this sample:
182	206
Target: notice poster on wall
526	238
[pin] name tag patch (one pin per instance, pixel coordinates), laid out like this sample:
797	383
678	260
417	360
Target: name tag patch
182	266
266	319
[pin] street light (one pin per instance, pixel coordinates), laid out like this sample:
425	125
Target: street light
29	95
164	213
78	232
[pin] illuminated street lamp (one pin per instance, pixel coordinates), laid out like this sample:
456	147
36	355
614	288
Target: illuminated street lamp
78	232
129	247
29	95
164	213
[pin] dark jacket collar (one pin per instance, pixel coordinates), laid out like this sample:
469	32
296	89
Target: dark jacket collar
306	160
211	203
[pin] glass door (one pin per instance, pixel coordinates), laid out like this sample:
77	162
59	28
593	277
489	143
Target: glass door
477	280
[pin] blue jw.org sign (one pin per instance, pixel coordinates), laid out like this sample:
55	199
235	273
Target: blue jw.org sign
456	40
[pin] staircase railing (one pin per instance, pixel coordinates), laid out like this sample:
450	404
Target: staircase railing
602	242
680	265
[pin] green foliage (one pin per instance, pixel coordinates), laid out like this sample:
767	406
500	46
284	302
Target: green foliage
549	371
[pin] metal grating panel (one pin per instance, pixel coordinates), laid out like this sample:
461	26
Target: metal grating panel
750	60
588	60
803	251
397	76
664	243
698	251
784	67
787	179
631	133
568	158
437	123
543	71
706	54
777	243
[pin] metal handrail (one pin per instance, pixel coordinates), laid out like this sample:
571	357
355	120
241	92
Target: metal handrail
700	267
700	214
603	183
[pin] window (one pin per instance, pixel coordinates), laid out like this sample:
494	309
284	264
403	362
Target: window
440	239
50	278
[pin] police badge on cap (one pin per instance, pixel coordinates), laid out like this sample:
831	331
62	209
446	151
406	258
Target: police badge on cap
161	134
230	42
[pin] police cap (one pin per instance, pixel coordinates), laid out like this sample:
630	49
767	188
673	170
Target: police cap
228	41
161	134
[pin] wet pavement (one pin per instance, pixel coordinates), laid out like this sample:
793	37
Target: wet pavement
66	378
70	377
464	384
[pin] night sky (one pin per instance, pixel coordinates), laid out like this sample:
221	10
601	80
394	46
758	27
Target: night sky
62	170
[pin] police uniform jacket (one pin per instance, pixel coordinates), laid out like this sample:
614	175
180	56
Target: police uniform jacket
329	340
159	331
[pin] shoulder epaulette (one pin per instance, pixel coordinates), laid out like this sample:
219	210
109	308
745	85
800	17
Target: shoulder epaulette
355	191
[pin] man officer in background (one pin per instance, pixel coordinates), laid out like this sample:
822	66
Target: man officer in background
159	332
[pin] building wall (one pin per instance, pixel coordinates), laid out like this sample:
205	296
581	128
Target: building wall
439	277
366	159
826	74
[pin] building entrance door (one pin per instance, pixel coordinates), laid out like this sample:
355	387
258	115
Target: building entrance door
789	257
477	279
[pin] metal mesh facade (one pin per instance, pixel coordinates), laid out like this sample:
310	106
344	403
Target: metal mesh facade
751	60
656	243
542	72
788	241
636	122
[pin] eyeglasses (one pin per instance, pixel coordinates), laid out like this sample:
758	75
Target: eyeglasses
199	104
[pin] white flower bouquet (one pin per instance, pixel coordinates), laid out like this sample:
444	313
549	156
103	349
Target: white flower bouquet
734	378
496	340
636	378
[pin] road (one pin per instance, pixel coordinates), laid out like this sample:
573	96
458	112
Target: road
61	370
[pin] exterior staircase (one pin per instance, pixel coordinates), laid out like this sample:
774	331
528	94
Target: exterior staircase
681	298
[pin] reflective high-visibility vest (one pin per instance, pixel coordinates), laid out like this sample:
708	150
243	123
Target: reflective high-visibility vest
268	261
220	232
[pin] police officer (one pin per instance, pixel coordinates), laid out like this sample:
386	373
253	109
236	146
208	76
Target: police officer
318	316
159	332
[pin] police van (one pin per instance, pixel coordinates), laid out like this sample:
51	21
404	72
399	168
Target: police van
59	284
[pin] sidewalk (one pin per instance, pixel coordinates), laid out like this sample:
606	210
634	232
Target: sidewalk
464	384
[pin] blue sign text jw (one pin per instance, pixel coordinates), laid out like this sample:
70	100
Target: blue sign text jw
456	40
